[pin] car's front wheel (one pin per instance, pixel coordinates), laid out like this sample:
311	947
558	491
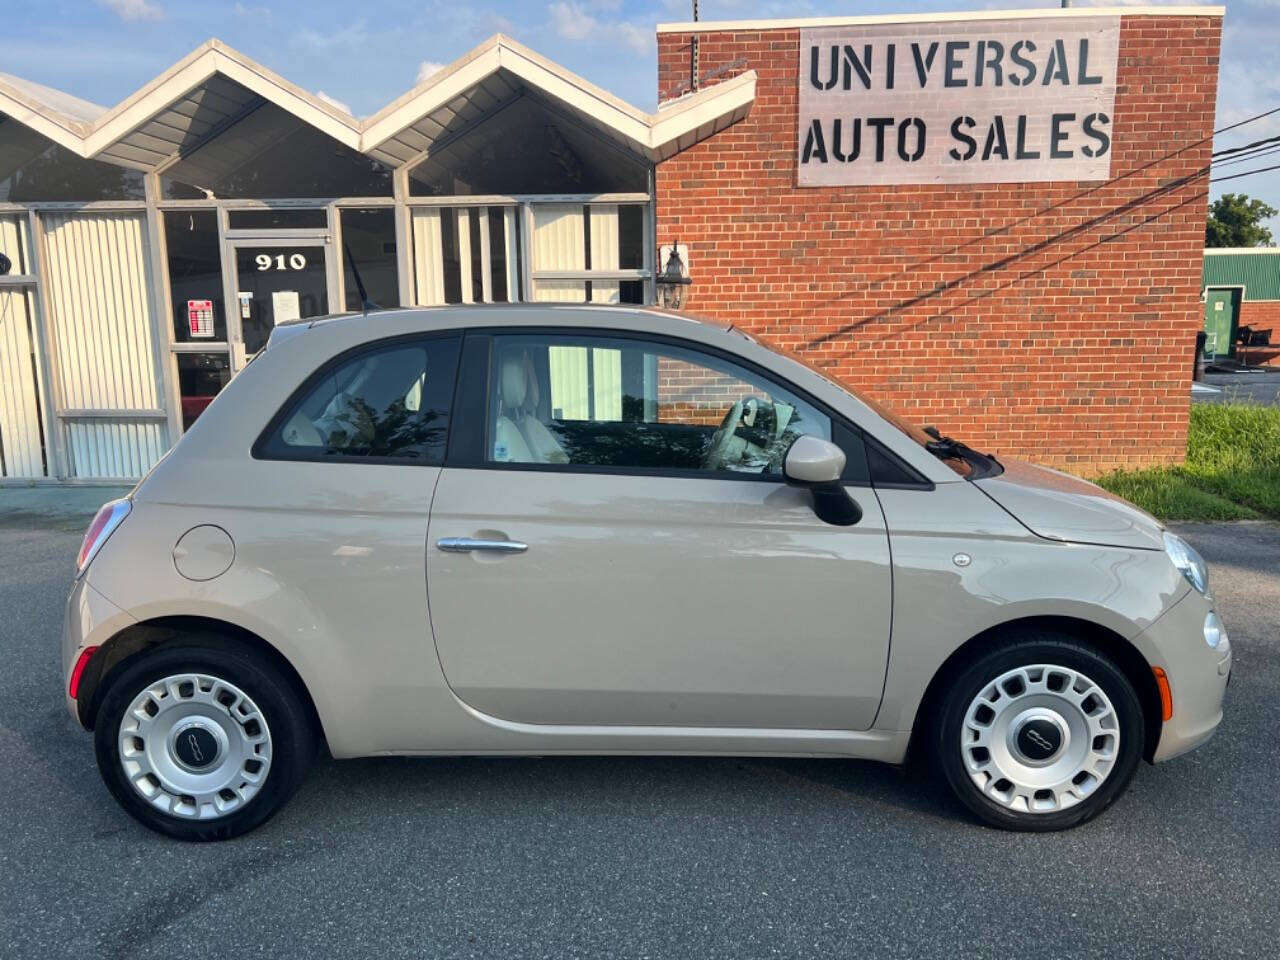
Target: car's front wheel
1041	734
202	739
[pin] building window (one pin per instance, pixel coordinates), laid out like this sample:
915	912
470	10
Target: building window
278	219
579	250
200	377
22	448
369	258
271	154
526	148
34	169
466	254
195	275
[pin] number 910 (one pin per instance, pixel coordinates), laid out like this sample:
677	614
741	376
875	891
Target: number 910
292	261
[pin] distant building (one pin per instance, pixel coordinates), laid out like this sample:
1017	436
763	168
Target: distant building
1242	293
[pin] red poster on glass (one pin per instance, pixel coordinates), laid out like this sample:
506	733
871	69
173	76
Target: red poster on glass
200	317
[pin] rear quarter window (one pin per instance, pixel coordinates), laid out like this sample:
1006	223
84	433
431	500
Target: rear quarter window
387	402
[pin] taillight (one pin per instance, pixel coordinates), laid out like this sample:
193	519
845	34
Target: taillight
83	661
104	524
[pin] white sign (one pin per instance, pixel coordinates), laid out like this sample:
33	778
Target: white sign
284	306
200	318
980	101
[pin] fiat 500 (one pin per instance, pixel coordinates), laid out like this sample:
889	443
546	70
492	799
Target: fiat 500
585	530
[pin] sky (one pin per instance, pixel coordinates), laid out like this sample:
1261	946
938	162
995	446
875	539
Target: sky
362	55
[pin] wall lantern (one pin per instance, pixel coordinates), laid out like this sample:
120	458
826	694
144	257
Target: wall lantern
673	277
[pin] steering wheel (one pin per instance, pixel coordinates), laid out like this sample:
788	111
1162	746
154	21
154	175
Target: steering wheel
721	440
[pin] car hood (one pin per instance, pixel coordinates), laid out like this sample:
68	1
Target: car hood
1058	506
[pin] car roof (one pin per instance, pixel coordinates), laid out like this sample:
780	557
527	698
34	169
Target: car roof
381	322
484	314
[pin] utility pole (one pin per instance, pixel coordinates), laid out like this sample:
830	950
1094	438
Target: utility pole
693	52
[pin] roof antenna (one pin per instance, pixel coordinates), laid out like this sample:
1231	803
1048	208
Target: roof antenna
365	302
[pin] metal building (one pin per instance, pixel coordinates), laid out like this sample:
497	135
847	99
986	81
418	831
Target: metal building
152	246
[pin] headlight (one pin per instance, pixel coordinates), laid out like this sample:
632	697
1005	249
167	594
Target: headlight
1186	559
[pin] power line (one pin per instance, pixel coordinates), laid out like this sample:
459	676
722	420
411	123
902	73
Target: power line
1247	146
1247	173
1252	156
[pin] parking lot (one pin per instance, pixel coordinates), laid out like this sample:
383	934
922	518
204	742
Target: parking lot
594	857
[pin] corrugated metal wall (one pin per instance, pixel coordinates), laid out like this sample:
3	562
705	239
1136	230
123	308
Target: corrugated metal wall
559	243
1258	273
21	449
102	316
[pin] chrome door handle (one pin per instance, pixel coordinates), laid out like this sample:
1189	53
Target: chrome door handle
467	544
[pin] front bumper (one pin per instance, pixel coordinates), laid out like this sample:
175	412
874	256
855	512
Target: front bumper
1197	673
90	621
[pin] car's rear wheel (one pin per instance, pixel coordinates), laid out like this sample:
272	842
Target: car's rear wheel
202	739
1041	734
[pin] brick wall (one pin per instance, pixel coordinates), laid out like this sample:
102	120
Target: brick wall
1054	321
1262	315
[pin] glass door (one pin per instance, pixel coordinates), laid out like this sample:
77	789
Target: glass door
276	279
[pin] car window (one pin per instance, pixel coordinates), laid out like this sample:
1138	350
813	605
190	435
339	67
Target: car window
619	402
389	402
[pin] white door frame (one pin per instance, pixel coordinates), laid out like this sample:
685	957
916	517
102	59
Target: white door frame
274	239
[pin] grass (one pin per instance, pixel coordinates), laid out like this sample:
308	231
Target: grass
1232	470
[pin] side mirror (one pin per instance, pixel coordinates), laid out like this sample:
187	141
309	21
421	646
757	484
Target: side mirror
811	460
817	464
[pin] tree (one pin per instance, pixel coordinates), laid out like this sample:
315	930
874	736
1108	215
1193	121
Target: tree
1235	220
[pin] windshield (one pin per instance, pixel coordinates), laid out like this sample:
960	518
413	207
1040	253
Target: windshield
956	462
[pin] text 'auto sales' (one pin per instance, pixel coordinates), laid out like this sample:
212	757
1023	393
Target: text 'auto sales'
994	101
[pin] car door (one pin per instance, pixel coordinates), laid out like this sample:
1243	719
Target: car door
611	542
334	510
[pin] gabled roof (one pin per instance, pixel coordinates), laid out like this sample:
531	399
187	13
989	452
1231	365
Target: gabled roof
501	70
205	90
214	86
59	116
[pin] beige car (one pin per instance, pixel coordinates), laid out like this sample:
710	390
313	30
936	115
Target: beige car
576	530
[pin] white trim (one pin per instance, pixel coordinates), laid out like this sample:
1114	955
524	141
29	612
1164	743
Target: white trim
514	200
115	413
214	57
649	134
42	118
797	23
501	52
1233	251
593	274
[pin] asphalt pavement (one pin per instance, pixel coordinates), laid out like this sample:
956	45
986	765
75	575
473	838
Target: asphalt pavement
602	857
1254	386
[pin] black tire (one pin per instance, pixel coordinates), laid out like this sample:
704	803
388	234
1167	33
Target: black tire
1037	647
293	740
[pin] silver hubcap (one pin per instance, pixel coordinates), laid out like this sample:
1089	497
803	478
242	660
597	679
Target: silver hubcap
1040	738
195	746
